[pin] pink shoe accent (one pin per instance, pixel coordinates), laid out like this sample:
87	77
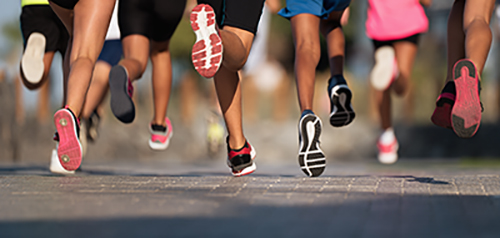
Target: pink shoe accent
207	50
466	112
442	113
387	148
69	150
160	140
130	88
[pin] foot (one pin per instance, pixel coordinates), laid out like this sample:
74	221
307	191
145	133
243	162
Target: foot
69	150
160	135
384	71
341	112
121	90
442	113
241	161
387	147
312	160
32	66
466	112
207	50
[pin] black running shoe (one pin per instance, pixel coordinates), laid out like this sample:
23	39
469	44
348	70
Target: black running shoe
121	90
341	112
311	158
241	161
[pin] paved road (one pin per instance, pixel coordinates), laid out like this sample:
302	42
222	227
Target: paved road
411	199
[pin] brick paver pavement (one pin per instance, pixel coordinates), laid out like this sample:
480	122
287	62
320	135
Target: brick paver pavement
350	200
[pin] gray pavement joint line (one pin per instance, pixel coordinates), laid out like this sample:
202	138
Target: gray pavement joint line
376	186
348	190
482	185
454	182
402	187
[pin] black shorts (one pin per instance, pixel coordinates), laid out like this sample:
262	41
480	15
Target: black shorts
111	52
68	4
412	39
155	19
242	14
41	18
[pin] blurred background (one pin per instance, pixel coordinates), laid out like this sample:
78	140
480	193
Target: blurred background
270	107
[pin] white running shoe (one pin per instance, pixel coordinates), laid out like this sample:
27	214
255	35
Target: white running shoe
312	160
32	66
160	135
387	147
55	165
385	70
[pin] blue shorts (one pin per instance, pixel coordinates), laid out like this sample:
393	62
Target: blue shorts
111	52
320	8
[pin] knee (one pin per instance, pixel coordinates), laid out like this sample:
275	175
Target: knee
308	51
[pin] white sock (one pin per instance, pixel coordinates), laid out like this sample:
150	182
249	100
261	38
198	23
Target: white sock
387	136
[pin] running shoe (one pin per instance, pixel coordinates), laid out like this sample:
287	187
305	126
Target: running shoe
341	112
121	90
83	137
207	50
55	165
160	135
466	112
32	66
69	150
385	70
93	125
241	162
312	160
442	113
387	149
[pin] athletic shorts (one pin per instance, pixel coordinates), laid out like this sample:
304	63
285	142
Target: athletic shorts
111	52
242	14
413	39
68	4
320	8
155	19
41	18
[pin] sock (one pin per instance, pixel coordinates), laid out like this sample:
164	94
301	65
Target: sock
305	112
336	80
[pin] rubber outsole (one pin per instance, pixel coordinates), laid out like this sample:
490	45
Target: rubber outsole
69	150
311	158
466	112
32	66
121	104
207	50
342	113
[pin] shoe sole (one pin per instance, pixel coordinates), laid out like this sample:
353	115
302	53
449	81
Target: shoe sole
122	105
342	113
207	50
466	112
69	150
247	168
32	66
312	160
382	73
55	165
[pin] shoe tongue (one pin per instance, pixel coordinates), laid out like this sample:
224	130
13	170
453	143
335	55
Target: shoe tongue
158	128
449	88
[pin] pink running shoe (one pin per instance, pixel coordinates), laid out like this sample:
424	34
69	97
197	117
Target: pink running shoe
160	135
388	152
69	150
442	113
466	112
207	51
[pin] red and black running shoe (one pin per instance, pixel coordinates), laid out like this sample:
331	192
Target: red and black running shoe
466	112
442	113
241	161
69	150
207	50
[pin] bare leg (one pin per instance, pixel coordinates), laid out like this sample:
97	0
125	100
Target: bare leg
306	38
405	57
334	35
98	88
135	55
91	19
162	80
237	44
383	105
